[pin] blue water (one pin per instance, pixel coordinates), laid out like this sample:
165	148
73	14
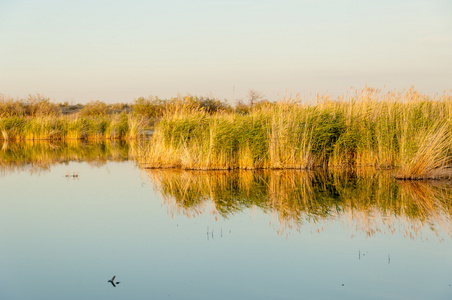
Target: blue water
64	238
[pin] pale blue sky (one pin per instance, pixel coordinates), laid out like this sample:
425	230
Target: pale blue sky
115	51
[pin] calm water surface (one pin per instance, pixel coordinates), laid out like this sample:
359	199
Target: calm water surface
185	235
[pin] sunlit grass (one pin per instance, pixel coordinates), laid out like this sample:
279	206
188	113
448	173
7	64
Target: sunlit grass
407	132
120	126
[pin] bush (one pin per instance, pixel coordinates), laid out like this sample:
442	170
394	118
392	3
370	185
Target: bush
151	107
38	106
10	107
118	106
94	108
242	108
209	105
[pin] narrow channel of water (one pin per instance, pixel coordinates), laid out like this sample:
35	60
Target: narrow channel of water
75	214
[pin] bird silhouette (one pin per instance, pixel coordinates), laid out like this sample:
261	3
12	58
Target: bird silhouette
112	281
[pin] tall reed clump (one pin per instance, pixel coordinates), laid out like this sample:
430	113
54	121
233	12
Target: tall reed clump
283	135
405	131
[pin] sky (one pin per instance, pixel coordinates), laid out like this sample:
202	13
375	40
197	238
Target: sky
117	51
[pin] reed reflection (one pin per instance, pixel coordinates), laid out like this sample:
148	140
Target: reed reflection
37	156
365	202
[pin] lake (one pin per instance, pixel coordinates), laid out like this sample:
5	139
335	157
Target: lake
75	214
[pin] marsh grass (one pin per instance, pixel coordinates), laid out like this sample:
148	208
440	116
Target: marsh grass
119	126
431	158
407	132
273	136
36	118
371	201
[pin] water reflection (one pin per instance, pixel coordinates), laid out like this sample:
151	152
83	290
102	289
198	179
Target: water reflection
366	201
37	156
57	231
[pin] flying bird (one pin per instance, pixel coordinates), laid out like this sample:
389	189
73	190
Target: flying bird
112	281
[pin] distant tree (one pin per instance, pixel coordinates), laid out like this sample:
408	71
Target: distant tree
254	97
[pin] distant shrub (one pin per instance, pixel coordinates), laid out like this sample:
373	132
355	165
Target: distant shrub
94	108
242	108
193	103
38	106
118	106
211	105
34	106
150	107
10	107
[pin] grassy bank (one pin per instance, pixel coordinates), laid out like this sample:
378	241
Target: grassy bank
72	127
37	118
406	131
